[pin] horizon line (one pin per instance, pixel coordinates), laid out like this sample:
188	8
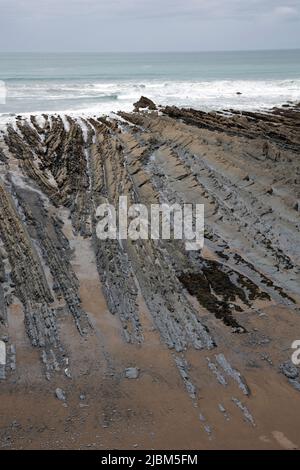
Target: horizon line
153	52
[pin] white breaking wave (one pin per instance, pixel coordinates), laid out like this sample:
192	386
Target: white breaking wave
102	97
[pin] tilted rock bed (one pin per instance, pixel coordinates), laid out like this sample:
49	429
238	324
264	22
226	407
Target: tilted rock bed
244	167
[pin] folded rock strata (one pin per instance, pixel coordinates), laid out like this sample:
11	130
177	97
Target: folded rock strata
244	167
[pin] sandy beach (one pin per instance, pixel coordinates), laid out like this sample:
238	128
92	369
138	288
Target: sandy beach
144	345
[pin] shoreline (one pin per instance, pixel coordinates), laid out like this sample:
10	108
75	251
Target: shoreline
6	118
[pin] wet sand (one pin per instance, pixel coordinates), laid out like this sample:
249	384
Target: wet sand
210	332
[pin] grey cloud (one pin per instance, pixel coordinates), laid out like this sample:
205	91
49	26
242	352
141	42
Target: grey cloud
148	24
149	8
286	11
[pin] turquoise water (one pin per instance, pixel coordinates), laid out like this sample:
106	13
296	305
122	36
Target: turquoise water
109	82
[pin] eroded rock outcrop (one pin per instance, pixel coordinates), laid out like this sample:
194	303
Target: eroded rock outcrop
213	308
144	103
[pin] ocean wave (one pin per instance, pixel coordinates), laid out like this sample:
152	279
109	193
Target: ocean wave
217	94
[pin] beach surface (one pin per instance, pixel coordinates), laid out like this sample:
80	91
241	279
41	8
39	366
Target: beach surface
142	344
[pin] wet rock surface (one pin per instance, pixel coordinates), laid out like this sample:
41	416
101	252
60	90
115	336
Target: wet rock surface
143	103
211	330
132	373
60	394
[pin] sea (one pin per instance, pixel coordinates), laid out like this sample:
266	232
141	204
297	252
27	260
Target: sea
100	83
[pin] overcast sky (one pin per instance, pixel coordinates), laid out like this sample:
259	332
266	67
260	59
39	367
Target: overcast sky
148	25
